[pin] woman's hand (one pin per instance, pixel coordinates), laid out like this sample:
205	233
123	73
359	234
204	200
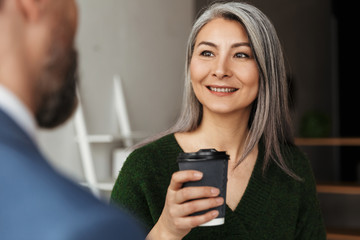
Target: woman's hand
175	222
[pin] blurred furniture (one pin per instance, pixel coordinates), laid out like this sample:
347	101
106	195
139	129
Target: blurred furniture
334	196
85	141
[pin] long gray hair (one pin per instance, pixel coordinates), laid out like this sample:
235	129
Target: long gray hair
270	116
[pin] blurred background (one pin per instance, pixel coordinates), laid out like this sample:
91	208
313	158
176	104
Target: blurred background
143	43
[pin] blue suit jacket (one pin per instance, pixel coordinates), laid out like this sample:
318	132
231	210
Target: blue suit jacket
36	202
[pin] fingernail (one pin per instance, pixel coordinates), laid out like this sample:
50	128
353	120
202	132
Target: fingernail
198	174
220	200
215	191
215	213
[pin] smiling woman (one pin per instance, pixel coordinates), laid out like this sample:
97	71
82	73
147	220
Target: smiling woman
235	100
223	66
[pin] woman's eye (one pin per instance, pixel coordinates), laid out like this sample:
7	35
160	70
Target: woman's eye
206	54
241	55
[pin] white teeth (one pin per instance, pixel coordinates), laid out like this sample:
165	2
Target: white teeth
226	90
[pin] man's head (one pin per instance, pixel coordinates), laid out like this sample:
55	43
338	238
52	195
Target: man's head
38	60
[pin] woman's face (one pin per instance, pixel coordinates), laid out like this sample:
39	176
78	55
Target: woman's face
223	71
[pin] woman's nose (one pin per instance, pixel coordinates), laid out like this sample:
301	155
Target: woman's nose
221	69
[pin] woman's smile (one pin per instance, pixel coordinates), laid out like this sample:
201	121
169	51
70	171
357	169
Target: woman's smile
221	91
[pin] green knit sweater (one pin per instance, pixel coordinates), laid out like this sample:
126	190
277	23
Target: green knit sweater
274	206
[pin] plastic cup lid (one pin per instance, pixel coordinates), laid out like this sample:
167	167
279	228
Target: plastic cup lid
203	154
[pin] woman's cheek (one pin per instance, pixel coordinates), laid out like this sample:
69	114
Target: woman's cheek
198	70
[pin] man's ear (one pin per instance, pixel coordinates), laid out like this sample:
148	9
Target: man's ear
31	9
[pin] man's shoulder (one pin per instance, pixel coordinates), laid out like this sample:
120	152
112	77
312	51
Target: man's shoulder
36	197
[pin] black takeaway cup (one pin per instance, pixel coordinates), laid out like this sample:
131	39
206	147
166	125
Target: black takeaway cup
214	165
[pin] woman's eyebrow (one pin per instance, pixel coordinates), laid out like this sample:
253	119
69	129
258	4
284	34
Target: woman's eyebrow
208	44
235	45
240	44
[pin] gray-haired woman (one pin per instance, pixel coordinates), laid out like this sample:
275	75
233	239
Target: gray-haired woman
236	100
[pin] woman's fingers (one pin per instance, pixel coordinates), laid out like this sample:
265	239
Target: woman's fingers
180	177
200	205
194	221
190	193
181	202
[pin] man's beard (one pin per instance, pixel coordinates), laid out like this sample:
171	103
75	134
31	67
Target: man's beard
57	89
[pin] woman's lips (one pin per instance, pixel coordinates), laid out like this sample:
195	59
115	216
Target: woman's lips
222	91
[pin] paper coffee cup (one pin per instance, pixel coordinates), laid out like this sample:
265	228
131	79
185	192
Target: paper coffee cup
214	165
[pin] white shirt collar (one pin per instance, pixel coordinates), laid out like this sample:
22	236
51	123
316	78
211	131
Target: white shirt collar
12	105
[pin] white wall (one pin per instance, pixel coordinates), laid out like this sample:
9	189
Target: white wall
144	42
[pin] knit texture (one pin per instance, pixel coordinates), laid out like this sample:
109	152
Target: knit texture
274	205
